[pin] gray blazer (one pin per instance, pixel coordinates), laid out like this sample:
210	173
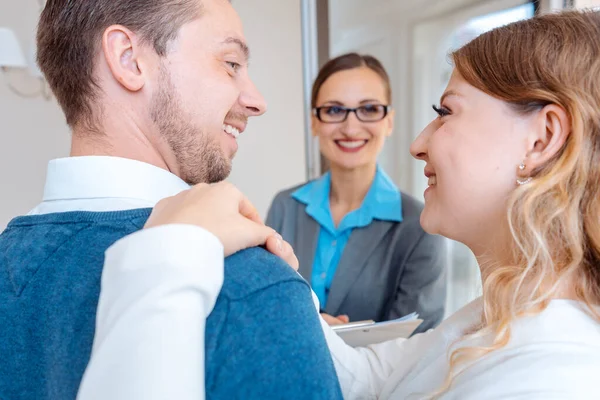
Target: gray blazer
388	269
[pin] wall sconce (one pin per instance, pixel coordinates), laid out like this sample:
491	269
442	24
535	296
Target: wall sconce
15	67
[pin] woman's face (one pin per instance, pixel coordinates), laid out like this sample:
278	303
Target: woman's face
352	143
472	151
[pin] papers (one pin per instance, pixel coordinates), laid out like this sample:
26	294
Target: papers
364	333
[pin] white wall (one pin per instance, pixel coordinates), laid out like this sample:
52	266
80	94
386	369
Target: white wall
271	155
32	131
587	3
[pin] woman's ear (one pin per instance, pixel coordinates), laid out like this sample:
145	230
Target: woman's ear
390	119
313	125
551	129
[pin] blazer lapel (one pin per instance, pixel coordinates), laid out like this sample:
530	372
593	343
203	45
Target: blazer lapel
360	246
307	234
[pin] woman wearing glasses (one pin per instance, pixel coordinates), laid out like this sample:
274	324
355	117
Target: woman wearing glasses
358	238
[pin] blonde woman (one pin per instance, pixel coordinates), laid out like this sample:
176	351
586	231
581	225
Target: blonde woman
513	161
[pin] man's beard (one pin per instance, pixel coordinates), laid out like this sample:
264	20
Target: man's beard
200	159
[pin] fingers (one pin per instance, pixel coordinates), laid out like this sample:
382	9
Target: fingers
331	320
344	318
161	208
328	318
226	190
247	234
339	320
282	249
248	210
199	187
274	245
225	212
290	256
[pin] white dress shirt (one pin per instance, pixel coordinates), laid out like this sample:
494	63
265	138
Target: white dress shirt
158	285
553	355
105	184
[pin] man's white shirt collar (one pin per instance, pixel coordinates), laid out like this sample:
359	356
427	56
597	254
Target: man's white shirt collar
101	183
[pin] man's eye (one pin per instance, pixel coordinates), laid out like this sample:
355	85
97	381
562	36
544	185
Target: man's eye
234	66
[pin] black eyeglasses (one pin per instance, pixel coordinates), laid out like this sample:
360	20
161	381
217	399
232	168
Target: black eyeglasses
366	113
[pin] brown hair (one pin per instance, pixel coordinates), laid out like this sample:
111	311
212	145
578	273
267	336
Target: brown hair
68	39
549	59
345	62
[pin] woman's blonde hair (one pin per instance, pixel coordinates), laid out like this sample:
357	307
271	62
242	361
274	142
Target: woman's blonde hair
555	219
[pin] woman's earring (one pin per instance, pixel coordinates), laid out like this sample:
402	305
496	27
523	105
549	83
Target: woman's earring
523	181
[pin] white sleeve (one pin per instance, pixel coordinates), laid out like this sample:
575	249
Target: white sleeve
362	371
158	287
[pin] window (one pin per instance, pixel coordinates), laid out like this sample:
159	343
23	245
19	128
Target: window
483	23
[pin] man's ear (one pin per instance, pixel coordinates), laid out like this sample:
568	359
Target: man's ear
122	52
551	129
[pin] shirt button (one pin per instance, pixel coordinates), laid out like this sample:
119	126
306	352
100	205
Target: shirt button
323	275
334	243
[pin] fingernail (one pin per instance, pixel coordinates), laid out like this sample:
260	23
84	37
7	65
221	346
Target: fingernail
280	244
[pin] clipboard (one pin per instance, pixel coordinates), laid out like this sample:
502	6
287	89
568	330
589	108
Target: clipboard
365	333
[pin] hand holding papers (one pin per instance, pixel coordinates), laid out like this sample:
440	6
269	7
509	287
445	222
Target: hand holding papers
364	333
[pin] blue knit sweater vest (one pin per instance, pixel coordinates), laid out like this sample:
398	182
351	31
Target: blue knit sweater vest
263	338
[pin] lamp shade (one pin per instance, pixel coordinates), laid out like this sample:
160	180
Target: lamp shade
10	51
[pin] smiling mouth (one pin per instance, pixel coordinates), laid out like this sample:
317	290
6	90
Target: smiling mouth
351	145
231	131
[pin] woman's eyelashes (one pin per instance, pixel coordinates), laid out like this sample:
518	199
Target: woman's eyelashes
441	110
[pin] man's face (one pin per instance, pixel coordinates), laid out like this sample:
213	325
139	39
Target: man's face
204	95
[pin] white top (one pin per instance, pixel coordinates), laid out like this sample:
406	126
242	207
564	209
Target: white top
158	285
553	355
